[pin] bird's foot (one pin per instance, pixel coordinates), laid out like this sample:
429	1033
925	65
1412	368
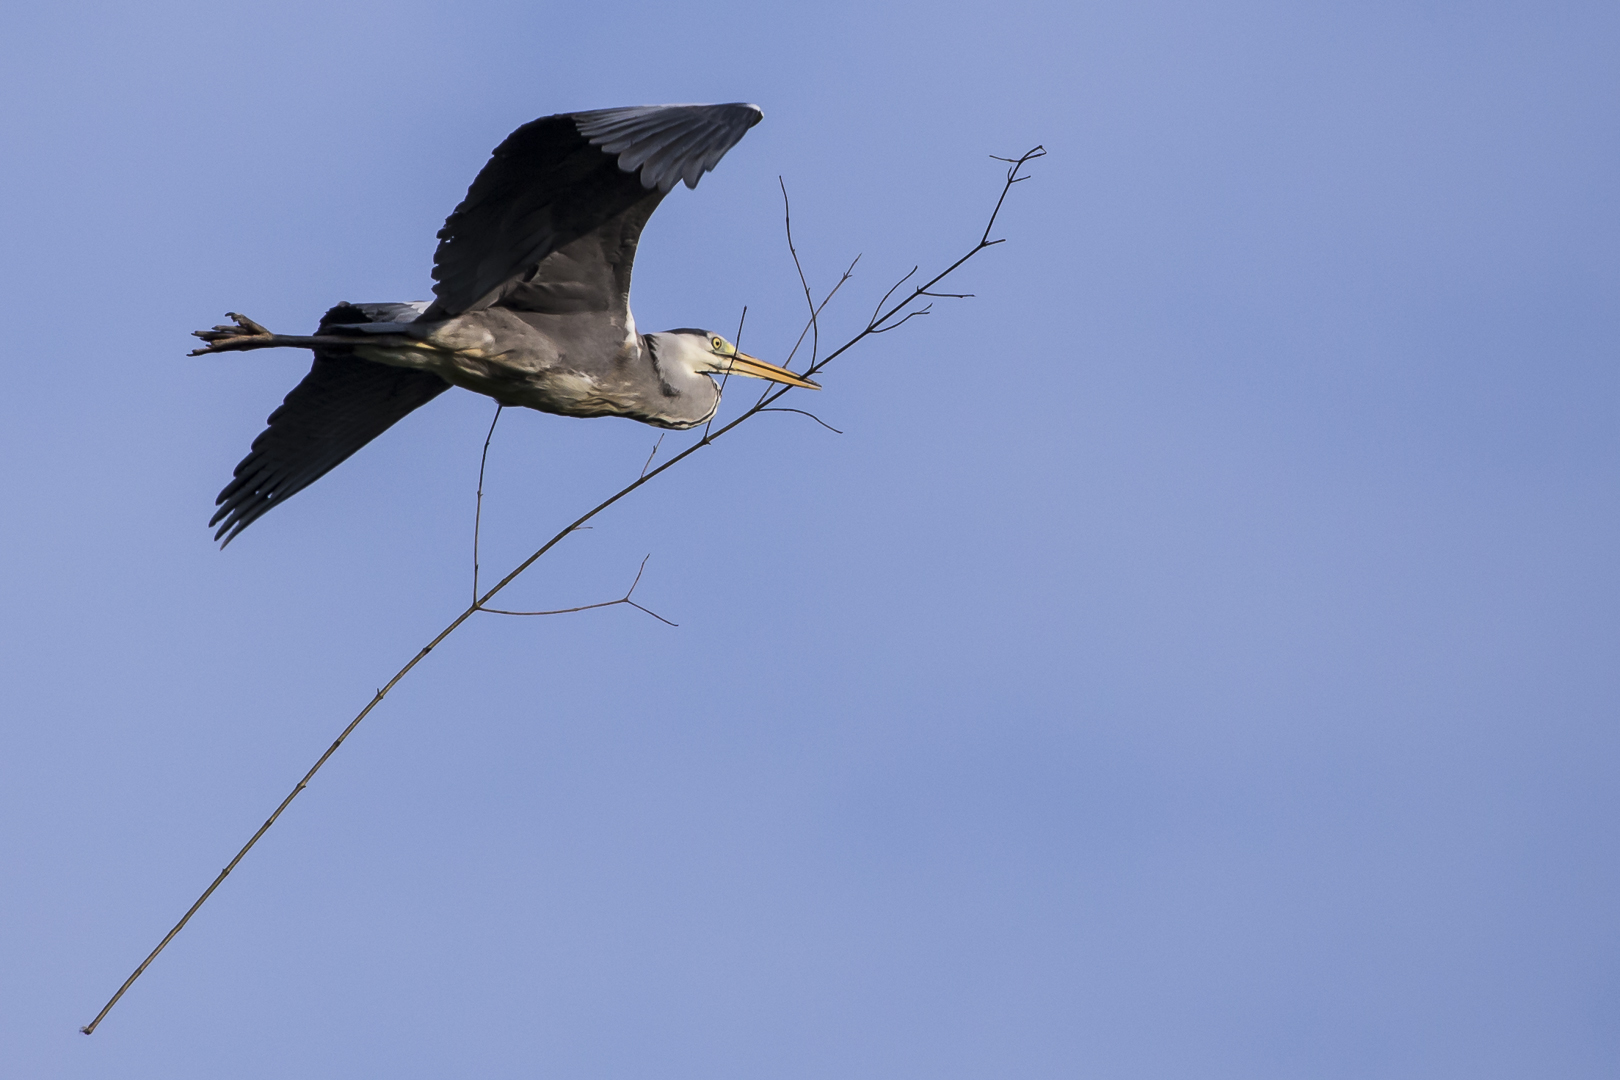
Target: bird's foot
244	334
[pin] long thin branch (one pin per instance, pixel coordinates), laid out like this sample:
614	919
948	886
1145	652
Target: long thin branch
873	326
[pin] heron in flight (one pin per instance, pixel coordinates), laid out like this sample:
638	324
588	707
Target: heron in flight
531	305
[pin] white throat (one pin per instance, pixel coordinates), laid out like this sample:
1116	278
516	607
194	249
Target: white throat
692	396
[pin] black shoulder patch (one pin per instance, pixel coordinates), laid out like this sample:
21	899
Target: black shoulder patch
344	313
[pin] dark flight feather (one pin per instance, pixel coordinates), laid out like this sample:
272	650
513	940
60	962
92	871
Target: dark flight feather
342	404
557	178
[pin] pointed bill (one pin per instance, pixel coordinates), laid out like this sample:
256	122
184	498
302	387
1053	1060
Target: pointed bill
743	364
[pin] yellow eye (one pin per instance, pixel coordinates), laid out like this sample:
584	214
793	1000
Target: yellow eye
719	344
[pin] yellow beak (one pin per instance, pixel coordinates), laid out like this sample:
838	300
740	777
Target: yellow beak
743	364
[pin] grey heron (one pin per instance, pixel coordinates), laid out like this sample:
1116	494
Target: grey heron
531	305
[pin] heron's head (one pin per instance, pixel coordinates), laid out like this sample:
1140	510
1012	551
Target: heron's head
703	352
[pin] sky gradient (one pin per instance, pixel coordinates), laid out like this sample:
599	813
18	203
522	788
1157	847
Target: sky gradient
1196	658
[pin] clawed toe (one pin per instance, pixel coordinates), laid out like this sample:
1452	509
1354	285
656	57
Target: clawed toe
224	337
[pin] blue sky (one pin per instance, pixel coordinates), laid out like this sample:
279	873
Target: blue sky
1195	659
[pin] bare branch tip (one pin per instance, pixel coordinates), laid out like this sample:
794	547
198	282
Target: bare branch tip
639	570
654	614
802	412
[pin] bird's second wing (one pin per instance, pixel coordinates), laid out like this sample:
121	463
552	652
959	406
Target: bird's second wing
342	404
557	178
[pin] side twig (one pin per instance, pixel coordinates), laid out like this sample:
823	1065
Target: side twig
737	344
801	412
625	599
653	453
815	312
478	508
815	325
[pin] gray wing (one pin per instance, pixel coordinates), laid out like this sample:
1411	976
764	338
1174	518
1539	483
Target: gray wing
342	404
561	177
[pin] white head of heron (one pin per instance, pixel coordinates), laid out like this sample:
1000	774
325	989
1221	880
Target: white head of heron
685	355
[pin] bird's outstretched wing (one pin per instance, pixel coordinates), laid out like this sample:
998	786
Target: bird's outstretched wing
342	404
560	177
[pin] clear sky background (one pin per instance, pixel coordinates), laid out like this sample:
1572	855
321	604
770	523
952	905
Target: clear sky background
1197	658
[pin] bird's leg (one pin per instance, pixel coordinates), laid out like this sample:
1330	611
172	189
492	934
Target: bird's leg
244	334
247	334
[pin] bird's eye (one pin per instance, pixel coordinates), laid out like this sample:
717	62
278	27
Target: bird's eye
718	343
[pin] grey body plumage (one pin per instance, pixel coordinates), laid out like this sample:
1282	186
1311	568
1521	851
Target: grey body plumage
531	308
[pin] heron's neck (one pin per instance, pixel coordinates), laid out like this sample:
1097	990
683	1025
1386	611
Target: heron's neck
685	397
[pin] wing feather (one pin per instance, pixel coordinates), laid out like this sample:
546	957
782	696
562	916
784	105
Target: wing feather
342	404
558	178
